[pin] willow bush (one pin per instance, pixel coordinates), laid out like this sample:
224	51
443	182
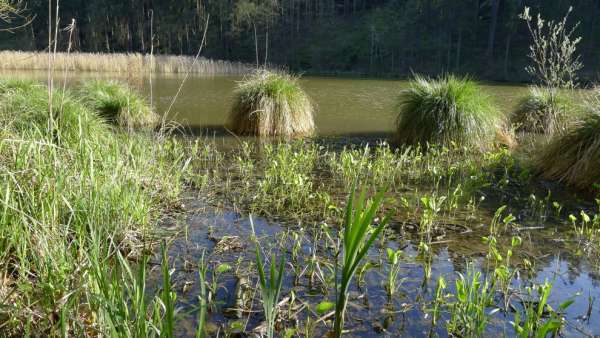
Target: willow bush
271	104
446	110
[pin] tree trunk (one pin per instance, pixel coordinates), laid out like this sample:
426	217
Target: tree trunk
492	33
256	45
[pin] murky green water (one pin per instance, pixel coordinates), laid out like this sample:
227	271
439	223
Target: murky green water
345	107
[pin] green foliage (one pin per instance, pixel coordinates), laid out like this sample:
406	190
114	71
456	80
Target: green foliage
75	197
445	111
544	110
118	103
573	156
469	314
271	289
358	237
271	104
24	112
534	323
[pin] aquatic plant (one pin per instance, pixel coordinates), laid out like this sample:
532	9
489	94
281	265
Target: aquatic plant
356	242
118	103
393	259
271	104
271	289
533	323
544	110
573	157
469	314
167	296
444	111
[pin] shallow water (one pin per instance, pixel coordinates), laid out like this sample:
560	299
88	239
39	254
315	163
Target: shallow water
345	106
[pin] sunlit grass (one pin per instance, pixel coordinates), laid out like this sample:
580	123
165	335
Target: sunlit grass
543	110
271	104
573	156
74	197
444	111
118	103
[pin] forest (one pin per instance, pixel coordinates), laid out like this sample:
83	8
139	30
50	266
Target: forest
391	38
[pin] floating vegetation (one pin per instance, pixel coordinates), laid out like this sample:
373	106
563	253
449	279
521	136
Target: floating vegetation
444	111
271	104
119	104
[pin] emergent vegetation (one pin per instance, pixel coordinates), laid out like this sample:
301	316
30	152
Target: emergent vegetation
543	110
574	156
444	111
119	104
271	104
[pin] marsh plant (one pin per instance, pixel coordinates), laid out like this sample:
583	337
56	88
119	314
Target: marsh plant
544	110
271	104
393	260
444	111
539	319
358	236
75	197
469	312
118	103
270	286
573	157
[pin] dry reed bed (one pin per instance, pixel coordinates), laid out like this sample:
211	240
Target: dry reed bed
120	62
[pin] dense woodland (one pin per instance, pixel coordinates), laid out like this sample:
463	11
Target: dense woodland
375	37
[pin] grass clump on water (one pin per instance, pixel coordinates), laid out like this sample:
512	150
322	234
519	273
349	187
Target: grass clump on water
573	156
543	111
75	196
444	111
119	104
271	104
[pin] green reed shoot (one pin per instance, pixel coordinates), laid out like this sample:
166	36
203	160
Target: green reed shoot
469	315
393	258
202	271
271	289
167	296
533	323
356	243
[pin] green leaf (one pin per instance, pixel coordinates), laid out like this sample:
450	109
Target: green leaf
222	268
324	307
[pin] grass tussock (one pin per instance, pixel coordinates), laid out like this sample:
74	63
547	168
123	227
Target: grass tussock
444	111
24	112
119	104
573	156
120	63
543	111
271	104
75	196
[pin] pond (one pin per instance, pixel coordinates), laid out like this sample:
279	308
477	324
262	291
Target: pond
345	107
230	183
